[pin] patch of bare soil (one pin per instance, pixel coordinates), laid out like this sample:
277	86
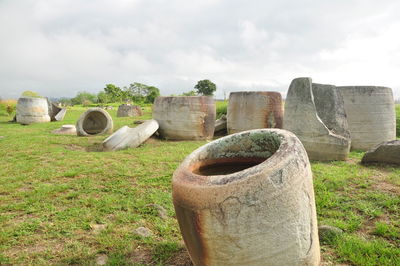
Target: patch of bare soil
141	256
181	258
387	187
74	147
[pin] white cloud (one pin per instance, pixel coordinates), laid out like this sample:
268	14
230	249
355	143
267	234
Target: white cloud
60	47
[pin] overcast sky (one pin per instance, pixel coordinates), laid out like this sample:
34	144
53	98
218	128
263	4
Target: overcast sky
60	47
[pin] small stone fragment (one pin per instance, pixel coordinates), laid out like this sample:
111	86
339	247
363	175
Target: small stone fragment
162	213
143	231
97	228
101	259
327	233
386	152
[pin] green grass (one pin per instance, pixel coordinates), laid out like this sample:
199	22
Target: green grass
57	191
222	107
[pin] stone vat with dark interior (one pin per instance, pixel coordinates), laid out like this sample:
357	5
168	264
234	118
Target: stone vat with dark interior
248	199
94	121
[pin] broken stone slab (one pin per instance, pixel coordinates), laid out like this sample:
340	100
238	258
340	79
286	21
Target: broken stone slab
386	152
371	115
95	121
315	113
127	110
220	124
65	130
248	199
57	113
127	137
254	109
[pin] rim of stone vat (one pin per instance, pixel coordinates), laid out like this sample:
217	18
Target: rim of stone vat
285	151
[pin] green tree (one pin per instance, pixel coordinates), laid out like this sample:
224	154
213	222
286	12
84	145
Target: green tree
115	93
103	97
142	92
84	97
205	87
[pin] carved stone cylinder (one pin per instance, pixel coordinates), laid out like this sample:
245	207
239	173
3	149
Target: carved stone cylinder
248	199
370	114
254	109
94	121
185	117
32	110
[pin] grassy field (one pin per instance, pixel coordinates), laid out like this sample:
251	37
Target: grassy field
63	202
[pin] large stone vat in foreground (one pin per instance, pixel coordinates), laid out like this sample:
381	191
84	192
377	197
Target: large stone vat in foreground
94	121
185	117
32	110
254	109
315	113
248	199
370	114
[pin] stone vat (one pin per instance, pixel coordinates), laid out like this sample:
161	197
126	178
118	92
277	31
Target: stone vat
127	110
127	137
32	110
370	114
316	114
248	199
254	109
185	117
94	121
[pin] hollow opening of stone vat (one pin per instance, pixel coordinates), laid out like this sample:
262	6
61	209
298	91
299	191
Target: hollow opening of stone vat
94	123
236	153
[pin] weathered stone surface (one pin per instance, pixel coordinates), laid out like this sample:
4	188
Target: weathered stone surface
94	121
220	124
370	114
32	110
327	233
185	117
127	110
127	137
101	259
143	231
386	152
65	130
248	199
254	109
304	102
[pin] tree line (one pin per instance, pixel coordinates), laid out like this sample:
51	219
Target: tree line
135	92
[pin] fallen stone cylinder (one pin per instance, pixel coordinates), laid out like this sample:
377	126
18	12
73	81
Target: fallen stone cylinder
185	117
32	110
248	199
127	110
65	130
315	114
386	152
370	114
254	109
127	137
94	121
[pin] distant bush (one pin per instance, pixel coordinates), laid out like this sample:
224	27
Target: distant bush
31	94
7	107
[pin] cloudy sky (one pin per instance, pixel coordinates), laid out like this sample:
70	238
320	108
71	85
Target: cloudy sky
60	47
